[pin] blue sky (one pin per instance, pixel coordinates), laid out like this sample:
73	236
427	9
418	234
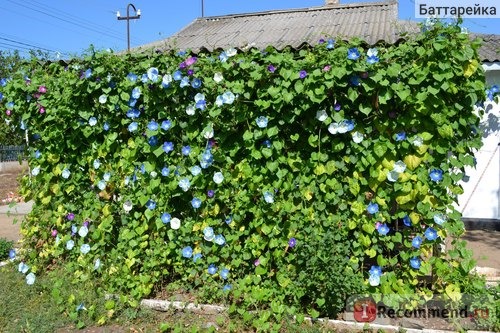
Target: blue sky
70	26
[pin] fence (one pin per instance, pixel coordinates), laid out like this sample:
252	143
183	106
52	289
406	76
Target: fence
12	153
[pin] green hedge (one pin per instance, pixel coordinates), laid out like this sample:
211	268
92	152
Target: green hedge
220	171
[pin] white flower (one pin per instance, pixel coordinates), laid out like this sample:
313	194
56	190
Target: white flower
85	248
195	170
417	141
208	132
103	99
92	121
268	197
199	97
101	185
374	280
321	115
70	244
372	52
231	52
175	223
153	74
97	163
208	234
392	176
219	101
106	176
228	97
218	177
30	278
190	110
333	128
357	137
97	264
399	167
127	206
83	231
153	174
35	171
65	173
23	268
218	77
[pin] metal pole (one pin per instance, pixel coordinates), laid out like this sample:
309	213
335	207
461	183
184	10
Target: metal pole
128	18
202	8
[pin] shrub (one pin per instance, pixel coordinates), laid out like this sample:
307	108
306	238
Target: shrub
5	248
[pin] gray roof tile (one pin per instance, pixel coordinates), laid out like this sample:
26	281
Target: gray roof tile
373	22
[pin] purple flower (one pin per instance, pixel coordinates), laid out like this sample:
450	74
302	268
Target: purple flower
54	232
271	68
337	106
191	60
256	262
302	74
436	175
292	242
70	216
210	193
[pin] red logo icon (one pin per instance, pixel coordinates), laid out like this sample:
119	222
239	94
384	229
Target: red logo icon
365	310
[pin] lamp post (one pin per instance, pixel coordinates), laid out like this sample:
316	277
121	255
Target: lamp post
128	18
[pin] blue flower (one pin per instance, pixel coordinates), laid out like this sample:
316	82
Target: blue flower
212	269
184	184
439	218
223	57
416	242
227	288
132	127
196	203
152	125
430	234
197	256
219	240
167	79
177	75
224	273
70	244
186	150
12	254
168	147
153	141
355	80
330	44
195	170
206	159
415	263
229	219
131	77
166	125
267	143
136	93
353	54
375	271
400	136
101	185
165	218
133	113
407	221
150	204
153	74
65	173
436	175
372	208
196	83
105	126
372	60
165	171
383	229
144	78
187	252
23	268
261	122
3	82
88	73
184	82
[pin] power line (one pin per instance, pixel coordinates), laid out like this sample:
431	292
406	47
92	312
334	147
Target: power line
30	45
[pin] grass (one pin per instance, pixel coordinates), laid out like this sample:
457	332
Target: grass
50	304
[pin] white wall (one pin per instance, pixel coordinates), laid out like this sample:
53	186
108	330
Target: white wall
481	198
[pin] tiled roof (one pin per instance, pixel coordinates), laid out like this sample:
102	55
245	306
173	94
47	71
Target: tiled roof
373	22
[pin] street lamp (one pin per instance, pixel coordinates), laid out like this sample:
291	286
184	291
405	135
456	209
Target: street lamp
128	18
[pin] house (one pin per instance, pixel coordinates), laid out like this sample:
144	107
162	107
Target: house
375	22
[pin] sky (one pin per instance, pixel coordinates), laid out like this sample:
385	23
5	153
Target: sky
68	27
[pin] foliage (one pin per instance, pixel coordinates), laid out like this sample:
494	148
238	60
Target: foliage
5	247
223	170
